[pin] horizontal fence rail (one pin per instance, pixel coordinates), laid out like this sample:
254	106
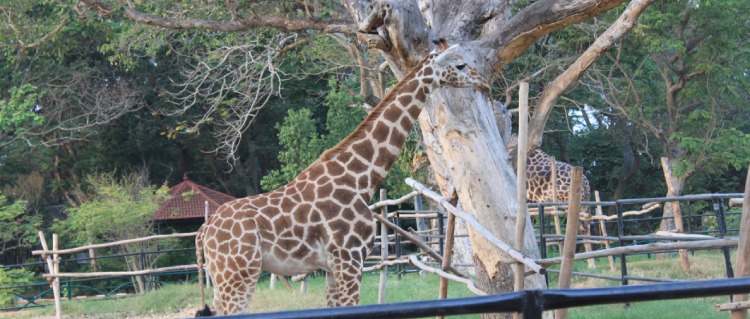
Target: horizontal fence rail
529	302
499	303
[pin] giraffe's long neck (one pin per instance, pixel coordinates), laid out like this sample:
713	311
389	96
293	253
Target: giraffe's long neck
368	153
537	157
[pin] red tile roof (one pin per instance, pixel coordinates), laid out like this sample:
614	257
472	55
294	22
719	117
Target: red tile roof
188	201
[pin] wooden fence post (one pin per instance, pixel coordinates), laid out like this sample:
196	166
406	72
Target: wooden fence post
571	232
743	250
523	133
556	217
603	230
53	266
383	248
303	285
447	256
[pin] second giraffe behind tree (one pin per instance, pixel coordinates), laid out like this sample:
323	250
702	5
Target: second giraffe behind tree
320	220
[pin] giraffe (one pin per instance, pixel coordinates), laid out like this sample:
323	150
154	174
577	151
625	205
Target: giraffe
539	190
320	220
539	176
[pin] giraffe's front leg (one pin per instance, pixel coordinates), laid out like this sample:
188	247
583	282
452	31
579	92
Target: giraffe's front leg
347	277
348	282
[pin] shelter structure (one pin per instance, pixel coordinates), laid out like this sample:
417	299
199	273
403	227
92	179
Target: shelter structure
188	205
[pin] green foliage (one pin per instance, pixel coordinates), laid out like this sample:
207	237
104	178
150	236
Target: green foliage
19	227
344	113
299	140
12	277
116	209
300	146
18	111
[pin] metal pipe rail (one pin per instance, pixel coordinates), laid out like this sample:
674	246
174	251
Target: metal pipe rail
529	302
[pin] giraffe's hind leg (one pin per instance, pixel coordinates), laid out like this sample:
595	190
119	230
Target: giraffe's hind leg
236	274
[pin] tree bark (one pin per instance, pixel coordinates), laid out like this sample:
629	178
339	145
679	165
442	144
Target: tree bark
460	132
459	128
675	183
570	76
672	214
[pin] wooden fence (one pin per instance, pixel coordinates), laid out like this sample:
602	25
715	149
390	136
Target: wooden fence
446	270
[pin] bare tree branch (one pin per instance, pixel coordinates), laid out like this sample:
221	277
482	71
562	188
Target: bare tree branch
535	21
77	104
236	24
554	90
236	80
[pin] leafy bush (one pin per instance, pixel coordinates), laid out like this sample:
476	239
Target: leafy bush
12	277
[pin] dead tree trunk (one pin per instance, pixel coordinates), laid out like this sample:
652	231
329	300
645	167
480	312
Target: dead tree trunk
459	127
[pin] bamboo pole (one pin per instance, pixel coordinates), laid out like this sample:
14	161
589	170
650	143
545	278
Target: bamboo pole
417	216
53	279
521	214
470	284
646	210
653	247
736	202
743	250
303	285
571	232
736	307
603	231
448	249
512	253
114	243
383	248
120	273
386	202
387	263
553	184
414	238
92	261
56	280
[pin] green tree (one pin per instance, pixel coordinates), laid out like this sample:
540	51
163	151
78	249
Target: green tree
12	277
19	227
19	113
117	209
300	145
681	77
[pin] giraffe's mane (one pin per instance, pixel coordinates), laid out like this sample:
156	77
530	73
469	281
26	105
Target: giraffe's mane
372	117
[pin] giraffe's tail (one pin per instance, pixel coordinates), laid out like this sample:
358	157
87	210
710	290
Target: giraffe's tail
206	311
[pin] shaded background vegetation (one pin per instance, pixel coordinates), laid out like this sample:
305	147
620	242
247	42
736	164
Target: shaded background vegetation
83	95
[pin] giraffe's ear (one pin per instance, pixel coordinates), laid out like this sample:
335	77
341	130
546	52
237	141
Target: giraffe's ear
447	56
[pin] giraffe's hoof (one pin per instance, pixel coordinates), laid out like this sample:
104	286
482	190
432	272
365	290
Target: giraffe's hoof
205	312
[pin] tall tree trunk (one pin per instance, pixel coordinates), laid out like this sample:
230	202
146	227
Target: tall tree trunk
459	128
675	184
467	134
630	166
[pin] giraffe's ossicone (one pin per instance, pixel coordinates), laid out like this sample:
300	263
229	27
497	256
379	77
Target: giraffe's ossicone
320	220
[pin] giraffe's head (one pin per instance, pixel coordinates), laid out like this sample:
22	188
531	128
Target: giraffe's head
448	68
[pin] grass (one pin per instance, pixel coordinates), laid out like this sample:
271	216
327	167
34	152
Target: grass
703	265
181	300
184	299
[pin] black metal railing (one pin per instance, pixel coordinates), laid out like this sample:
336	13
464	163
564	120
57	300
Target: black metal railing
531	303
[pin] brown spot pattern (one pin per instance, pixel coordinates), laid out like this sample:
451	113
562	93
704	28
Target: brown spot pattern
323	211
